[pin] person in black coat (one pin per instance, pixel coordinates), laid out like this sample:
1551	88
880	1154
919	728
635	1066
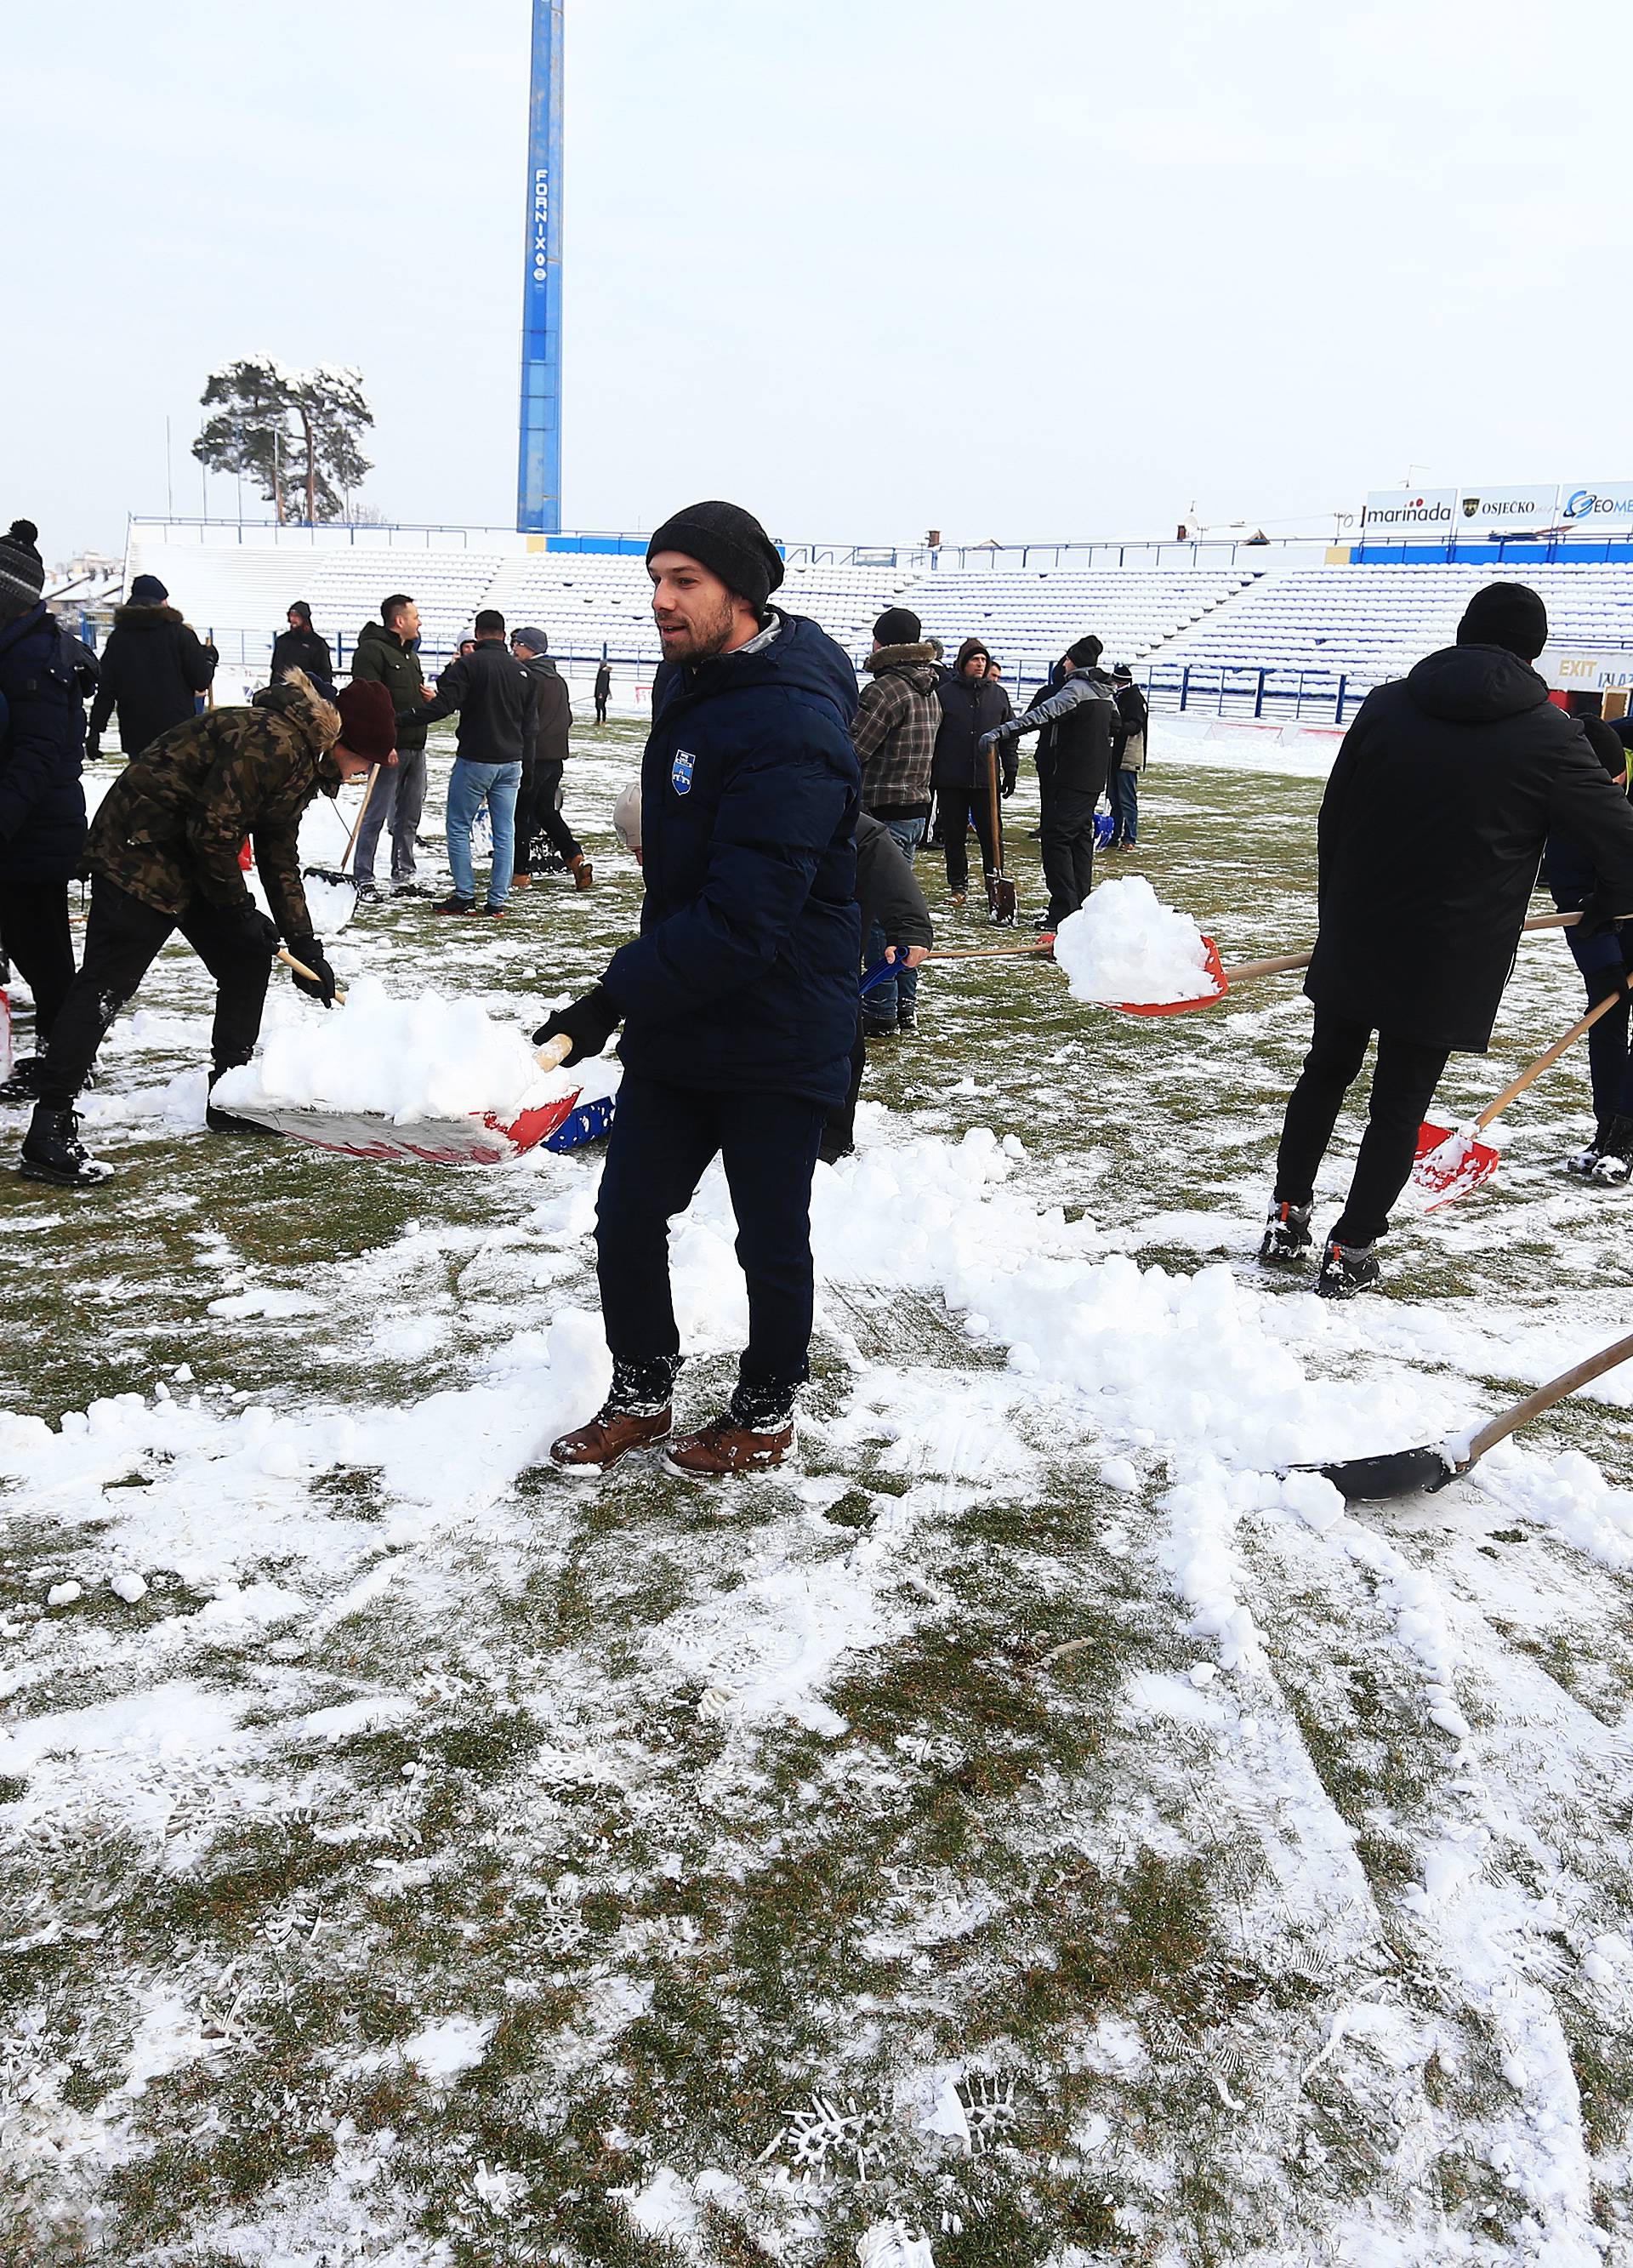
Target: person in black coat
971	706
1606	961
45	675
1078	721
1445	791
739	998
299	647
603	691
153	669
892	907
545	750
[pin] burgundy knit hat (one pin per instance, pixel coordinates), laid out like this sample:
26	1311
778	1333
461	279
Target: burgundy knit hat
368	720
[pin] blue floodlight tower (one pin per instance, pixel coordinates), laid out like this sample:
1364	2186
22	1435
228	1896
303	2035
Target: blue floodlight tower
538	461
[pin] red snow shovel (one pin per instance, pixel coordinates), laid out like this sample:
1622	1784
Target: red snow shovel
1368	1480
466	1139
1450	1160
1224	978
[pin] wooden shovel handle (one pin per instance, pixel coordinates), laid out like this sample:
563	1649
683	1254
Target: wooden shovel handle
351	840
1495	1110
554	1053
1509	1421
301	970
1290	960
985	951
1278	968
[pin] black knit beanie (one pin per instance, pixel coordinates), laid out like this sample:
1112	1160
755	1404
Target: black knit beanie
898	626
1085	654
1506	614
729	542
22	573
299	606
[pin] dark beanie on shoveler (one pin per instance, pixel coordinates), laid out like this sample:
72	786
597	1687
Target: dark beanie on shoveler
898	626
1605	746
1506	614
1085	654
368	720
729	542
22	573
148	591
968	652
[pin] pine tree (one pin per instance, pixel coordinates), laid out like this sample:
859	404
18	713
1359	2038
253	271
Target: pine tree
287	429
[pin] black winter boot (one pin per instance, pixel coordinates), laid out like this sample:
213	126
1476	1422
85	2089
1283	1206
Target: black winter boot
24	1084
1614	1165
1286	1235
1347	1269
52	1152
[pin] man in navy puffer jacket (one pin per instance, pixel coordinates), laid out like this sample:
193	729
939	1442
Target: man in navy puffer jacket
45	675
739	998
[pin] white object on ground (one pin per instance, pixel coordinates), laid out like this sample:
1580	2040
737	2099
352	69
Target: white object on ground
63	1594
127	1586
420	1057
1126	944
890	2244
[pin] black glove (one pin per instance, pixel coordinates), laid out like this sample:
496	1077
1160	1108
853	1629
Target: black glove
1600	913
253	930
1006	788
93	748
588	1023
988	741
321	984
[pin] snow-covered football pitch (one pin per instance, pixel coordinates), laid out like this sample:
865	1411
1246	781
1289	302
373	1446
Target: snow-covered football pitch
1024	1830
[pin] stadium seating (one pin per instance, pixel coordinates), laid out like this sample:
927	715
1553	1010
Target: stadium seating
1299	640
1314	626
1029	618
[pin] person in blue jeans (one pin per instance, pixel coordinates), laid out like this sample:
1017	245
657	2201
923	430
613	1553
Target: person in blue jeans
470	785
493	698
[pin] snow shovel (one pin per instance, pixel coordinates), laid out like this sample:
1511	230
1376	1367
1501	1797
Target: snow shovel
463	1139
338	875
1000	889
1367	1480
1452	1160
1224	978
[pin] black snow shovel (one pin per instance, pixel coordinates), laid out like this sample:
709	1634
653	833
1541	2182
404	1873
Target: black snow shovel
1369	1480
1000	889
338	875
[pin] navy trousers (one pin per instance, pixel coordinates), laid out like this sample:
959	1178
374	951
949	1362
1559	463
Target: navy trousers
663	1139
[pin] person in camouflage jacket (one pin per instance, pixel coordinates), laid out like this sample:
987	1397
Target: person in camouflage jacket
164	855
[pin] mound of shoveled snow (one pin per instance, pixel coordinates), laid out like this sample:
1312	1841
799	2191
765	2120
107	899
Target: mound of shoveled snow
1126	944
418	1057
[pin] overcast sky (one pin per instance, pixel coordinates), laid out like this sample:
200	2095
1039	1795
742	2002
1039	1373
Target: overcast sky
1039	269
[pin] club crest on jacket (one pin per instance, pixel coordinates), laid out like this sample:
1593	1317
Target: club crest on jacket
680	772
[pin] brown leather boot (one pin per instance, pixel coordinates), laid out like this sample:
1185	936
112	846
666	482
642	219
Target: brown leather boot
583	872
610	1434
726	1447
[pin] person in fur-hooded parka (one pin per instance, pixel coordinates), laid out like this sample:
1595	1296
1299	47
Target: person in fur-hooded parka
152	670
174	823
163	856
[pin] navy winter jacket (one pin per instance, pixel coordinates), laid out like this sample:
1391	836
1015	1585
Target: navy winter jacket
44	676
744	976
